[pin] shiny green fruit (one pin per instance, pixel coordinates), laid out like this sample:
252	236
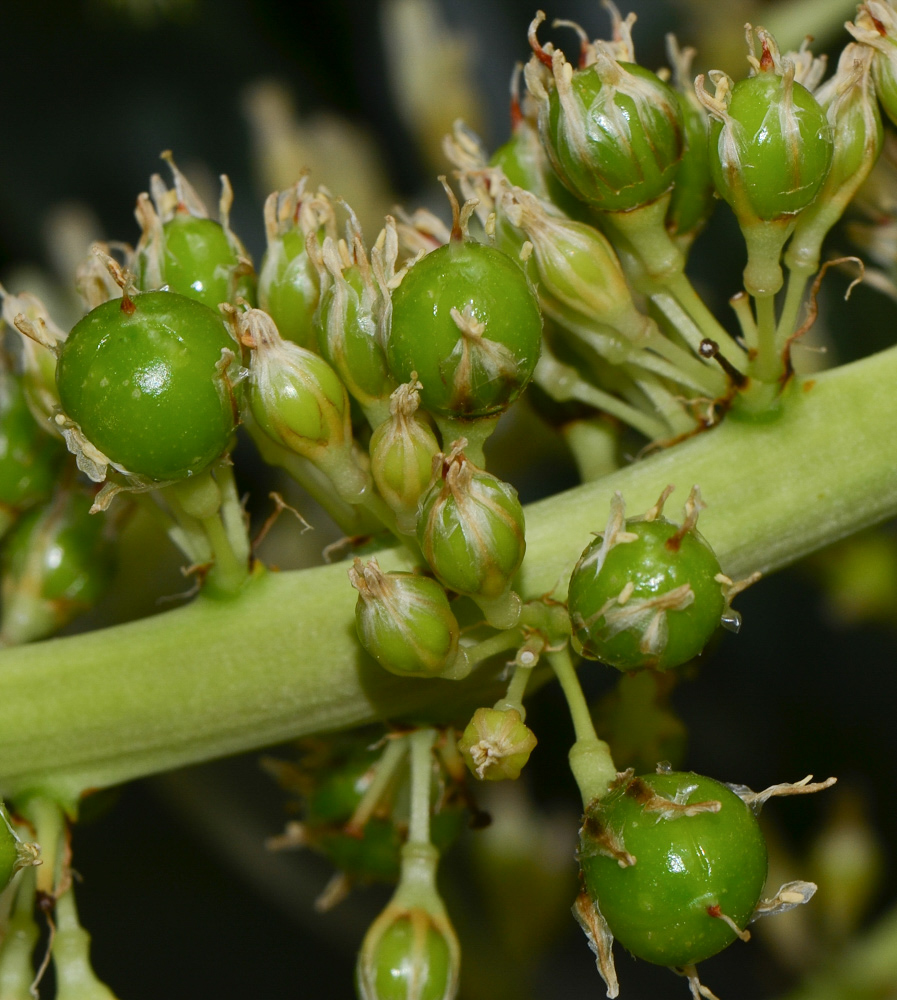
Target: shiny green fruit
672	881
142	379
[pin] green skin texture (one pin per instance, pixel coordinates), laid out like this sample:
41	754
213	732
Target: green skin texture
654	569
773	176
423	334
143	385
616	173
102	708
418	637
199	261
693	196
29	456
395	969
289	289
470	561
658	907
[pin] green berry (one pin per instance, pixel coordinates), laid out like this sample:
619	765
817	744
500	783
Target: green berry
412	961
289	288
676	864
145	380
404	621
200	262
58	561
646	593
612	130
467	322
770	144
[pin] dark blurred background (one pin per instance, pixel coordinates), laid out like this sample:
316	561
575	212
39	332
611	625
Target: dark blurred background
177	889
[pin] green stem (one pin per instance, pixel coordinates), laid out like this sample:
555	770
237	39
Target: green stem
767	365
387	766
75	977
495	644
590	759
422	741
97	709
708	325
794	297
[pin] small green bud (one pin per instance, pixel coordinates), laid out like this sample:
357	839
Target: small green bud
578	271
402	450
496	744
41	342
471	532
182	249
466	320
29	458
405	623
876	26
58	561
852	111
289	284
349	317
410	951
693	199
647	592
299	401
612	130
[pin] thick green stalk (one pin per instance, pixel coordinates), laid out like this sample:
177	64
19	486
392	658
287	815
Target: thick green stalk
220	677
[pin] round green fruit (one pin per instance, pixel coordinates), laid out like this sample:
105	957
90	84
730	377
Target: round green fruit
674	884
467	322
142	379
650	602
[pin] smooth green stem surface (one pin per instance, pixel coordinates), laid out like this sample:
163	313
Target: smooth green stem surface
767	366
216	678
421	741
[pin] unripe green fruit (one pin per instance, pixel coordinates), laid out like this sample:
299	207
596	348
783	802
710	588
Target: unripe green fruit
143	379
693	199
652	600
412	961
466	320
615	142
771	156
668	879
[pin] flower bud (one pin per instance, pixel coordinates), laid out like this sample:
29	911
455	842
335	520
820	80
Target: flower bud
348	320
15	854
289	284
410	951
299	401
613	130
402	450
496	744
471	532
876	26
693	200
849	102
578	271
405	623
58	561
182	249
41	341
